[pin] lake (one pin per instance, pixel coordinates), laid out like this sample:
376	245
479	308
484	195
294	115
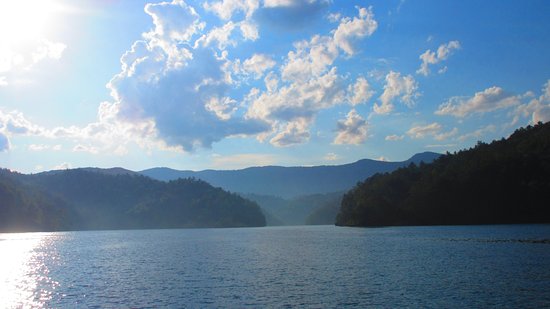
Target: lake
298	266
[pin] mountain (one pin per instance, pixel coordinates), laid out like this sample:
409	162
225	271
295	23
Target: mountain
290	182
295	211
24	208
94	199
506	181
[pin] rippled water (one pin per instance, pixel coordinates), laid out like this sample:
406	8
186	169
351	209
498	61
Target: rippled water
326	266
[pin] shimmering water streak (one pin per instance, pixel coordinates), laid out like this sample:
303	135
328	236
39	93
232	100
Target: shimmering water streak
24	275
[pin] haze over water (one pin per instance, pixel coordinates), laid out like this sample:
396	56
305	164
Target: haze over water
322	266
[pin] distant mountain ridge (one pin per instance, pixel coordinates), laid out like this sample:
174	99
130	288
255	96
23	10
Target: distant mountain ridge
289	182
91	198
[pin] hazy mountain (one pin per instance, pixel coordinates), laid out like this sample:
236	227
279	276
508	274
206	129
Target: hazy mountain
295	211
290	182
114	199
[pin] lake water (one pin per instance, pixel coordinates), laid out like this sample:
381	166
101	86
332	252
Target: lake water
315	266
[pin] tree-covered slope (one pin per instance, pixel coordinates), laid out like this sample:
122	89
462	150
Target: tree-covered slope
96	200
24	208
507	181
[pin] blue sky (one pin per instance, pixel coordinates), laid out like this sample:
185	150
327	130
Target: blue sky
236	83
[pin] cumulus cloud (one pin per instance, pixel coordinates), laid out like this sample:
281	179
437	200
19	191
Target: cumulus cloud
219	36
350	30
308	83
423	131
360	92
226	8
297	104
85	148
538	109
258	64
430	57
178	86
24	56
488	100
15	122
175	89
352	130
399	87
434	130
294	132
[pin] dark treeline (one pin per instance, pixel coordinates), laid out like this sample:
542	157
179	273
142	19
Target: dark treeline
506	181
79	200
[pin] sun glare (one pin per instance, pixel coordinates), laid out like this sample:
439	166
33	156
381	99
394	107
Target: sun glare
25	21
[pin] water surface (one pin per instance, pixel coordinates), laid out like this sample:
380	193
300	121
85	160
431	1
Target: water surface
316	266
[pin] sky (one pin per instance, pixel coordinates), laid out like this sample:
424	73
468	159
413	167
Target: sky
228	84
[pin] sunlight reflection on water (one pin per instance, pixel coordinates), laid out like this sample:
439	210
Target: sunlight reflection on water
24	277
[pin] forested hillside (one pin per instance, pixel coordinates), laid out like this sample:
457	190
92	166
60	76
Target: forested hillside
83	199
24	208
506	181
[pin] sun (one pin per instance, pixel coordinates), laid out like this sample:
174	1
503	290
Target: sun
23	22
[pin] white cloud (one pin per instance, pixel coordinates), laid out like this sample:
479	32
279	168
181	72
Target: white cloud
331	157
294	107
334	17
350	30
423	131
62	166
222	107
352	130
433	130
249	31
308	83
490	99
360	92
23	57
258	64
429	57
294	132
538	109
310	59
48	49
85	148
16	123
399	87
226	8
177	92
394	137
221	35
